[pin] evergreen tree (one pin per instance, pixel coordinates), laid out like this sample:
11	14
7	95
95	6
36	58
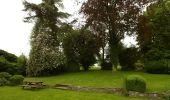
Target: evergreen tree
45	54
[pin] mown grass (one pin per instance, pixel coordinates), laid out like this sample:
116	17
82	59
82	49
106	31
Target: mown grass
16	93
94	78
155	82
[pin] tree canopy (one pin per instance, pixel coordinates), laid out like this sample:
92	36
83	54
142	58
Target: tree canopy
117	17
45	53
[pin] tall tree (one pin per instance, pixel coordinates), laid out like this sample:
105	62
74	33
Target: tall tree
80	48
154	27
144	34
119	17
45	54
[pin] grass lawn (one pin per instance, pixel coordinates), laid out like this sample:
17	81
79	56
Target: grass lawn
99	78
16	93
90	79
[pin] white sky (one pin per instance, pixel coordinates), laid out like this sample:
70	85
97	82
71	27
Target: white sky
14	33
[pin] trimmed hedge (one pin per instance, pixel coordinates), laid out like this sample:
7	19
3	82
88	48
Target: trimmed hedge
135	83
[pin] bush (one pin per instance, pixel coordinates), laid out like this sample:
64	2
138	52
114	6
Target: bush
5	75
8	56
22	63
3	81
106	66
16	79
135	83
166	96
157	67
139	66
128	57
3	63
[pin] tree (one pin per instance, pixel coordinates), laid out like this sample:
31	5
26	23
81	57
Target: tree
45	54
22	64
118	16
154	25
144	34
157	55
8	56
128	57
80	48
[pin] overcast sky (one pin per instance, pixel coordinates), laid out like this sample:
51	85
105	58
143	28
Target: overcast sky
14	33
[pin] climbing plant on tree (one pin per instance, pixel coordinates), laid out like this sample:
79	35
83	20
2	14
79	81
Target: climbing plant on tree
45	54
118	16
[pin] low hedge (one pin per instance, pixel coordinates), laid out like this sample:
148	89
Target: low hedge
135	83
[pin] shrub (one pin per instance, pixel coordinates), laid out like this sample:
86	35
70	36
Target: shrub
4	78
157	67
5	75
16	79
3	81
128	57
166	96
3	63
139	66
8	56
22	63
135	83
106	66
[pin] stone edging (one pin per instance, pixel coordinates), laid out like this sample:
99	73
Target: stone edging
119	91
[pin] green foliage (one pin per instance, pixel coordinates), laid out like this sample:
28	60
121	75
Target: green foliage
6	66
157	55
157	61
22	64
113	18
3	81
80	48
135	83
159	17
5	75
128	57
155	26
3	63
166	96
8	56
4	78
157	66
8	79
46	54
106	66
12	64
139	65
16	80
